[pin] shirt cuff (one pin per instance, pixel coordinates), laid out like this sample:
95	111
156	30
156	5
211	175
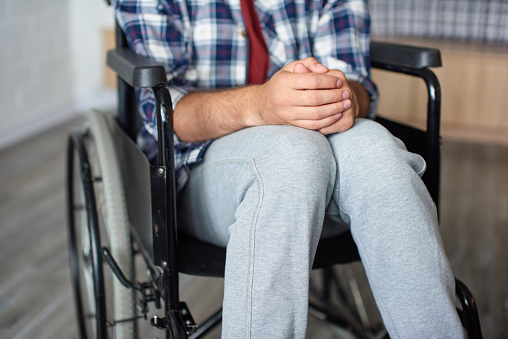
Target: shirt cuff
177	93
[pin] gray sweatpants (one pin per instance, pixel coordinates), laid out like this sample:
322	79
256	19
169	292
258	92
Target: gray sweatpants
264	192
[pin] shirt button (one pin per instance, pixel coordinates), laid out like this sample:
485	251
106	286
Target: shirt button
243	33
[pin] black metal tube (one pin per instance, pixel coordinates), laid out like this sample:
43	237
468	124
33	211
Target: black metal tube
162	181
471	320
433	142
117	271
166	163
90	204
73	250
207	325
164	111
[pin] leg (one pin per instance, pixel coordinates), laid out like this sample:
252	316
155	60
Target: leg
394	224
263	192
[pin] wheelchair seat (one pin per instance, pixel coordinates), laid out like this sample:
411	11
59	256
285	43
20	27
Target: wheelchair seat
196	257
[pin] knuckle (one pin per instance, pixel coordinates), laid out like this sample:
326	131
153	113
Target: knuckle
313	99
282	75
313	125
346	124
338	108
315	81
314	114
328	129
340	74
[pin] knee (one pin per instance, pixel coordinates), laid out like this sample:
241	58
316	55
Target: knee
369	147
298	148
299	157
367	136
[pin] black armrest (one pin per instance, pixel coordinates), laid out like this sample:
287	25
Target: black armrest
136	70
387	55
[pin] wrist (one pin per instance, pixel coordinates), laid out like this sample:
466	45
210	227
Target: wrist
254	100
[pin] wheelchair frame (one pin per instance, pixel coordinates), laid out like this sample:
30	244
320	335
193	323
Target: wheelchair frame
165	260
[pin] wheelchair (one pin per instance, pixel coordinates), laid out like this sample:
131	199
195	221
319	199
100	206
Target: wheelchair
121	207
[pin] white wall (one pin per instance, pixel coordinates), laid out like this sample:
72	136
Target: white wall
51	63
89	18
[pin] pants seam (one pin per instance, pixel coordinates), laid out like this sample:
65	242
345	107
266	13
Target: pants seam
252	247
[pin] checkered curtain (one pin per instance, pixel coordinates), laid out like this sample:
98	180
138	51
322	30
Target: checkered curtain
474	20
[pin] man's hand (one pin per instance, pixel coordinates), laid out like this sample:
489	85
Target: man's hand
311	97
356	101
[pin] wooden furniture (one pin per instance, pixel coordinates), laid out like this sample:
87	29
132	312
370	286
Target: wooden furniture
474	82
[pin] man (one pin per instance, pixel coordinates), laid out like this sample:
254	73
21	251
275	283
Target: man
261	168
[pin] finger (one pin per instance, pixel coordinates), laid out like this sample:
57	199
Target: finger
345	122
314	65
301	68
338	74
313	98
312	81
319	68
318	125
317	112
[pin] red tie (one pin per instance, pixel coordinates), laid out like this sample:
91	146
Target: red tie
258	53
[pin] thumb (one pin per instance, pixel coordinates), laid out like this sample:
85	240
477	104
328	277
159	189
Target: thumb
314	66
301	68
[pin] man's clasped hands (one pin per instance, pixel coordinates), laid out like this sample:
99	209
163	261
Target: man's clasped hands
307	94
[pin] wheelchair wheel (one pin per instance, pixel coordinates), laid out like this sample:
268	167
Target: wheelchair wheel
97	219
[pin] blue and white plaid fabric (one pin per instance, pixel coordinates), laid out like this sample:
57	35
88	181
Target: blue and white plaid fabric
203	45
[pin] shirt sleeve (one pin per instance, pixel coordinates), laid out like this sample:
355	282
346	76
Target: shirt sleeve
342	42
158	30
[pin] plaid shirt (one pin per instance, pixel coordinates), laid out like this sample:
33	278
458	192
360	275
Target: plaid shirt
203	46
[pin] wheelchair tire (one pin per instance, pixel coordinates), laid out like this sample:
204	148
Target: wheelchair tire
97	218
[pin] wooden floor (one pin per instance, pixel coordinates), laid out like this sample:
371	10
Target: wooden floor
35	291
